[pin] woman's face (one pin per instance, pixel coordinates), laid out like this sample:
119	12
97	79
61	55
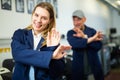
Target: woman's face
40	19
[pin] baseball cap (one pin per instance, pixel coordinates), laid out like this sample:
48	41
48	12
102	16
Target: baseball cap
78	13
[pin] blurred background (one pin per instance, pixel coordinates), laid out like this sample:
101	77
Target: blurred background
103	15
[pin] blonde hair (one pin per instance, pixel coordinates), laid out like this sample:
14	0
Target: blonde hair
52	23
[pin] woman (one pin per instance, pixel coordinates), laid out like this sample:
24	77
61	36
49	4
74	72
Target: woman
36	49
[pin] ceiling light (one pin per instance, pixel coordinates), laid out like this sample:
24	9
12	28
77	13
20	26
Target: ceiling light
118	2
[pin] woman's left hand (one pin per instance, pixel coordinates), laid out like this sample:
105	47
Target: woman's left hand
60	52
53	39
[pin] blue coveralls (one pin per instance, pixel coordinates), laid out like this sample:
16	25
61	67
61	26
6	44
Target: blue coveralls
45	67
80	47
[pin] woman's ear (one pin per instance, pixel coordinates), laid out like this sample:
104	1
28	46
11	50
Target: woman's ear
50	20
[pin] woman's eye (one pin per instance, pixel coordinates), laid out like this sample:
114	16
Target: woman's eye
44	18
36	15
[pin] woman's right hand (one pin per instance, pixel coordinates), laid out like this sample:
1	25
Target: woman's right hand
60	52
53	39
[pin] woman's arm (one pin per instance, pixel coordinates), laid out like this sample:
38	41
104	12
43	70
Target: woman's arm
23	52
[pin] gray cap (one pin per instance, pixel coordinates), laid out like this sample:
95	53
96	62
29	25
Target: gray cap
78	13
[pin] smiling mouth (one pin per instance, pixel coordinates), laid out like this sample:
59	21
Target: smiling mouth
38	25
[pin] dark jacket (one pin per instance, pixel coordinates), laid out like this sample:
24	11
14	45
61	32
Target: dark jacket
24	56
80	48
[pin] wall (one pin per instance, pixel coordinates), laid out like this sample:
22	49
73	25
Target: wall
116	24
10	20
98	16
5	50
116	21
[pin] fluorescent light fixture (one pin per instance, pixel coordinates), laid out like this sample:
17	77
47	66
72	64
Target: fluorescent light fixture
118	2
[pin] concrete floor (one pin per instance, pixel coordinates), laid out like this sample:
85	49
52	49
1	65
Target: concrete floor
114	74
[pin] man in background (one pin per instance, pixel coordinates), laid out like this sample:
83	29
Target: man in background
85	42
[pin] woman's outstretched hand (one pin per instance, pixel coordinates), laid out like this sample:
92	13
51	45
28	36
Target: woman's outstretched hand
60	51
53	39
